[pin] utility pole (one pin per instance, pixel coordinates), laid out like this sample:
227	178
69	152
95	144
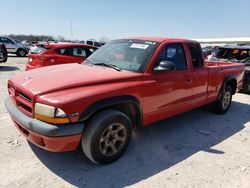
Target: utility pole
71	30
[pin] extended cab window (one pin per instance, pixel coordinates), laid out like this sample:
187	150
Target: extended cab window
175	54
196	56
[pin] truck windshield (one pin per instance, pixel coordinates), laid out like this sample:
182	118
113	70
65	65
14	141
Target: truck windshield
125	54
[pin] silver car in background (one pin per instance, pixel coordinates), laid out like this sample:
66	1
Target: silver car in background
14	47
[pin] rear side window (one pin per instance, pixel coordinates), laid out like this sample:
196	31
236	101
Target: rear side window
73	51
78	51
63	51
175	54
196	56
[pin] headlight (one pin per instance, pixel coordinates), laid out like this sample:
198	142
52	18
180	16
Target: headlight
50	114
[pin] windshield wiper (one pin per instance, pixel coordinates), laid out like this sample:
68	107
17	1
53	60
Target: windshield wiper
108	65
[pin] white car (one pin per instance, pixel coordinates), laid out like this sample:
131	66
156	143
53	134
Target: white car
92	43
14	46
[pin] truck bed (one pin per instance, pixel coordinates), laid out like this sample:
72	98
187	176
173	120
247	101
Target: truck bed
218	71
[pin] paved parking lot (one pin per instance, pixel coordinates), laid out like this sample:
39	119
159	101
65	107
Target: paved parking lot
195	149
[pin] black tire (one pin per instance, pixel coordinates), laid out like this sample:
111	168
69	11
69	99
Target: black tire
5	57
106	136
246	84
222	105
21	52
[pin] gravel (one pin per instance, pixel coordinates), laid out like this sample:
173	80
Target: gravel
194	149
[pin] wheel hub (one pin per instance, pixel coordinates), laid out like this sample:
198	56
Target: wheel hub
226	100
112	139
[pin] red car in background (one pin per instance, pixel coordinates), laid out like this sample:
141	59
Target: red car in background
46	54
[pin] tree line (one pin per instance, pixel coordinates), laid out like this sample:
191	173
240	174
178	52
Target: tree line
36	38
30	38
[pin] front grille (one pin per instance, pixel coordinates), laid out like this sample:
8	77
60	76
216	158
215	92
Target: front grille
11	91
22	100
22	95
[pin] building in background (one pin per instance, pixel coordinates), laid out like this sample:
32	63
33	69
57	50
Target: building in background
241	41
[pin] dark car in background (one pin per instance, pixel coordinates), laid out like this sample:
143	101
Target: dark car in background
236	54
3	53
208	51
46	54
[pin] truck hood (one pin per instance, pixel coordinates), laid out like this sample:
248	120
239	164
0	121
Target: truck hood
61	77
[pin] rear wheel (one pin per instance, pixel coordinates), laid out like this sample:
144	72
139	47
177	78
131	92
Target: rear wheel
246	84
21	53
222	105
106	137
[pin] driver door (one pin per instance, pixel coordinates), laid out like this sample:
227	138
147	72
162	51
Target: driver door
169	92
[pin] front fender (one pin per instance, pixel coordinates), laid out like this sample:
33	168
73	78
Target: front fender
108	102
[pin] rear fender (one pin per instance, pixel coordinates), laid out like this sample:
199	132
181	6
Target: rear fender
226	81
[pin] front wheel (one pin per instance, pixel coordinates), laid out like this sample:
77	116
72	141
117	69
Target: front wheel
222	105
106	136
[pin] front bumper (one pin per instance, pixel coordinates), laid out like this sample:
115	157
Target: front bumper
47	136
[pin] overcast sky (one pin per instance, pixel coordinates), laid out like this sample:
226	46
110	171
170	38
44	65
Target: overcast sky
122	18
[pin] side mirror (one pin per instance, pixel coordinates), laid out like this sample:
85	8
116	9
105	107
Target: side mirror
165	66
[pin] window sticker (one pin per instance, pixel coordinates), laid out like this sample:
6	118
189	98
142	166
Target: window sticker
139	46
150	43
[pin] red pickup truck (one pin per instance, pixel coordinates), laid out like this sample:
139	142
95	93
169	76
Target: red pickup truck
127	83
